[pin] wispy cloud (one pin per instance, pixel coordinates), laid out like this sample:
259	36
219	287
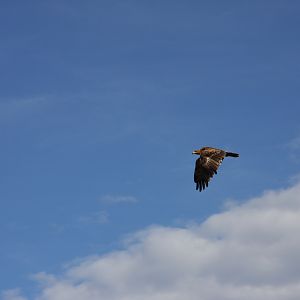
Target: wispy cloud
17	108
13	294
100	217
294	148
294	144
251	251
118	199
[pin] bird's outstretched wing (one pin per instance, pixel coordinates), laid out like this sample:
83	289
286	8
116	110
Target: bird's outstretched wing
206	167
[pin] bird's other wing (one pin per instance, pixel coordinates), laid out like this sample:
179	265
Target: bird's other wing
205	169
218	156
209	152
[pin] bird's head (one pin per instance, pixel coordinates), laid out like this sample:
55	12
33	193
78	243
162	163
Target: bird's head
198	152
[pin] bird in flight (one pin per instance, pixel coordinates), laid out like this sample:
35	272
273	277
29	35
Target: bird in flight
207	165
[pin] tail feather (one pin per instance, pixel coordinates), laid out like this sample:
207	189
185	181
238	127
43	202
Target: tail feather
232	154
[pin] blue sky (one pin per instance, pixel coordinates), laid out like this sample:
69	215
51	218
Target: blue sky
102	103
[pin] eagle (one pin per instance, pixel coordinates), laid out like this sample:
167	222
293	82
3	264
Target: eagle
207	165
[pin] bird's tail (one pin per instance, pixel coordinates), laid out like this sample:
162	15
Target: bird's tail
232	154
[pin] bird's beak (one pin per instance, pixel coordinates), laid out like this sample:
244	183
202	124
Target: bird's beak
195	152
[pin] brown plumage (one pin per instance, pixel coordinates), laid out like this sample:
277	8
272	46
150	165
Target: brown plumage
207	165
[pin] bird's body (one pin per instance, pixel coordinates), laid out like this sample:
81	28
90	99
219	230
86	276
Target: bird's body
207	165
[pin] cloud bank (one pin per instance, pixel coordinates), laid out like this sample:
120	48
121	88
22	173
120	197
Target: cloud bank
249	252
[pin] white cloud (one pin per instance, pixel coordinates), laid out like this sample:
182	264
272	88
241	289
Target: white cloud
12	295
249	252
118	199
